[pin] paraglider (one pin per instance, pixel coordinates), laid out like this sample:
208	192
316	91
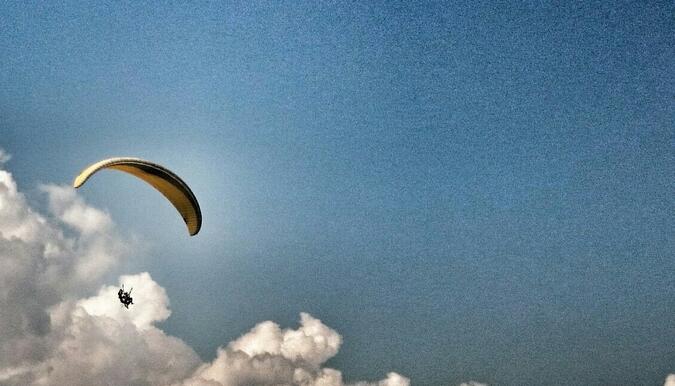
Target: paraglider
161	178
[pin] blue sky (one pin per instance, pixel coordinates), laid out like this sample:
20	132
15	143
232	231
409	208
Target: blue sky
463	190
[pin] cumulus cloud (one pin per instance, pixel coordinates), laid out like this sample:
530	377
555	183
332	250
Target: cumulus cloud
60	325
4	156
268	355
670	380
473	383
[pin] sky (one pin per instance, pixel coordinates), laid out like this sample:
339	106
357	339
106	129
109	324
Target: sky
460	191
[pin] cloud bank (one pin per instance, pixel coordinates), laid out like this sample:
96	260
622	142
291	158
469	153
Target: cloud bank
60	326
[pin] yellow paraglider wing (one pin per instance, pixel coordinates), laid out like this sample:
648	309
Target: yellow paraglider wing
162	179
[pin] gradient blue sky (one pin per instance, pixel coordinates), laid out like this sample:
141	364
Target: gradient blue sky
463	190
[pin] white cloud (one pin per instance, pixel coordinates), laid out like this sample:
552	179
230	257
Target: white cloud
60	326
313	342
473	383
99	342
4	156
670	380
269	355
144	290
392	379
17	220
71	210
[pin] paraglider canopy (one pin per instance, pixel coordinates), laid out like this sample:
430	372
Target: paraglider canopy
161	178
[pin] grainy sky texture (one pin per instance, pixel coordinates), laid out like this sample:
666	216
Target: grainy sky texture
461	191
50	337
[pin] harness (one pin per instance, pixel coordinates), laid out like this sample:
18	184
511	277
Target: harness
125	297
